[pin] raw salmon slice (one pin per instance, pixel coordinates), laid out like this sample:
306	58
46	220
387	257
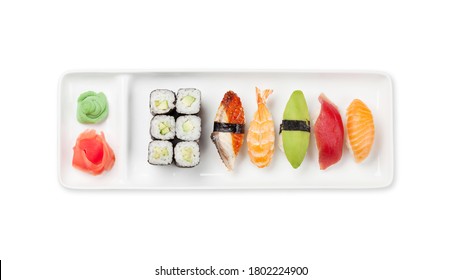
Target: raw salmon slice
360	129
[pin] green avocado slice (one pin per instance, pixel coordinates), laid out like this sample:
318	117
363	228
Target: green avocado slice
160	152
187	154
187	126
164	128
161	104
188	100
295	143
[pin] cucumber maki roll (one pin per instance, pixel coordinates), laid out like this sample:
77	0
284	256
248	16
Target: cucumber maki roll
160	153
188	101
188	128
295	129
162	101
187	154
162	127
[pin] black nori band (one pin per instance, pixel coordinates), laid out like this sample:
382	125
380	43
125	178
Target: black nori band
295	126
229	127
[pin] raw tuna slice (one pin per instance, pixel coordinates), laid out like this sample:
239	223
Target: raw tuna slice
329	133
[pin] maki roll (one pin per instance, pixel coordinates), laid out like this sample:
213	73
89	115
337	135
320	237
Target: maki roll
188	128
160	153
188	101
187	154
162	101
175	121
295	129
162	127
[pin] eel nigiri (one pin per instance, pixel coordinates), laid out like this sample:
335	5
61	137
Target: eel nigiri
360	129
295	129
261	135
228	129
329	133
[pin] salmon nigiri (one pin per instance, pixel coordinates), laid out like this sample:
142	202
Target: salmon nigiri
360	129
261	135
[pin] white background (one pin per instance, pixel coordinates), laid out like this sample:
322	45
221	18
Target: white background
408	231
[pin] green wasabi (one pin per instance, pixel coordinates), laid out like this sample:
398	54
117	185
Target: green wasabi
92	107
295	129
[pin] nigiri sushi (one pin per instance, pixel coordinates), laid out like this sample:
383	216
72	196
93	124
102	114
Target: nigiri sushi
229	128
360	129
295	129
329	133
261	134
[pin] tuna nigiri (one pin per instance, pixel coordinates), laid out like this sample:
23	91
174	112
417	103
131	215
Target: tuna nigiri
329	133
360	129
228	129
261	135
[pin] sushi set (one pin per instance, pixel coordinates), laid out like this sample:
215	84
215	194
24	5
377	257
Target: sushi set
225	130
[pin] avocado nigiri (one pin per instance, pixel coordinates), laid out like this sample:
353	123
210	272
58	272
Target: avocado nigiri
295	129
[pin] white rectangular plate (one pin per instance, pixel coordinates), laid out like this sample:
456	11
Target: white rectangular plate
127	129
